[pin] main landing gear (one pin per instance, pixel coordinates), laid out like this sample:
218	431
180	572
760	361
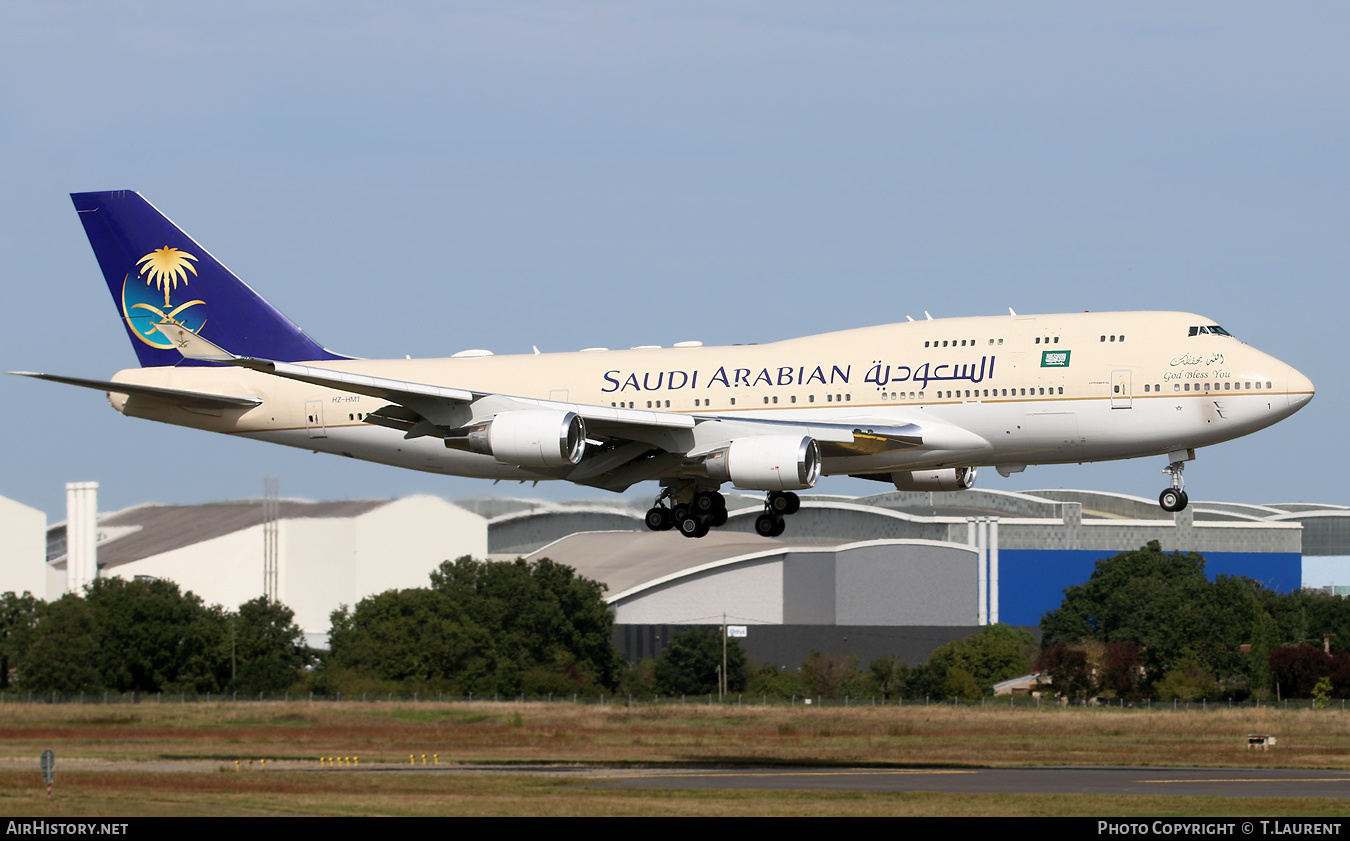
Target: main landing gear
691	509
695	511
1174	499
778	505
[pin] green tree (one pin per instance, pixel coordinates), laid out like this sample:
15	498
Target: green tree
64	654
887	674
268	647
540	615
960	683
18	622
484	627
827	675
1188	680
640	680
1311	615
1165	604
1264	638
153	637
1069	670
1101	608
773	682
926	680
415	636
996	653
146	635
692	660
1322	693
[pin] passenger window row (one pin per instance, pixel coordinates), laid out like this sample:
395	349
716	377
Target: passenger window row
954	394
1228	385
962	343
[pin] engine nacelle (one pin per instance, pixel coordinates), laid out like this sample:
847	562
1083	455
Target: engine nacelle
950	479
531	438
767	463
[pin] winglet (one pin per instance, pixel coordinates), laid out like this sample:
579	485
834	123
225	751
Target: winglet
192	345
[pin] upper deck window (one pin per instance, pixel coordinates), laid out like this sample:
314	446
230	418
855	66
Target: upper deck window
1209	329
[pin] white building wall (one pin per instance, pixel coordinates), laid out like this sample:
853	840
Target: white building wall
399	544
23	548
56	582
227	570
81	535
324	563
316	569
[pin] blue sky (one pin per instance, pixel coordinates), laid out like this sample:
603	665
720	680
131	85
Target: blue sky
420	178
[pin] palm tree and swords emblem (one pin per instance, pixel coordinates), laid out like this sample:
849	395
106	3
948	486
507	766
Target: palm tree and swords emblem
163	269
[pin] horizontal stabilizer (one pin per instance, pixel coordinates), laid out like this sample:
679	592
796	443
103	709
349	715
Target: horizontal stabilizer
193	399
193	346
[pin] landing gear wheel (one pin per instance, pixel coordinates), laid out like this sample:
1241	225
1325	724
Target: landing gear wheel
679	513
784	504
692	526
769	525
718	518
1172	500
660	519
708	502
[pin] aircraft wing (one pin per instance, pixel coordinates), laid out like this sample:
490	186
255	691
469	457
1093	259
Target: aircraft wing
633	444
440	405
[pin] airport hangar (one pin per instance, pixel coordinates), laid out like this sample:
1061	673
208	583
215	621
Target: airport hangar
896	573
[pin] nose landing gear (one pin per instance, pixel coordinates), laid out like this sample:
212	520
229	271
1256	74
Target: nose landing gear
1174	499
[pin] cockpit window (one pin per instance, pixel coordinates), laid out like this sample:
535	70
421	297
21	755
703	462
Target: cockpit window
1208	329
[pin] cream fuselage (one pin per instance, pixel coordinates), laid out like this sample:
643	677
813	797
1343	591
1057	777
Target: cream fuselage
1027	389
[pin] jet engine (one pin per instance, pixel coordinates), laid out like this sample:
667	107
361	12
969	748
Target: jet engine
531	438
767	463
950	479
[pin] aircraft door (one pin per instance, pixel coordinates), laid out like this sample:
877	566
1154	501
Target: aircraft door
1023	329
1121	384
314	419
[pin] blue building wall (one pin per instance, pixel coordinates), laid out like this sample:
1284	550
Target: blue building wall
1032	581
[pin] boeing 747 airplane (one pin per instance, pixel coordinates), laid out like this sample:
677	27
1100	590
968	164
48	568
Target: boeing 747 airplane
919	405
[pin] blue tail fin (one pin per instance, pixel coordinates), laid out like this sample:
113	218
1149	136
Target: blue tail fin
156	272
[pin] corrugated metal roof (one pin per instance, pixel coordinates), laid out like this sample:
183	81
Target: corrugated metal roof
626	559
164	528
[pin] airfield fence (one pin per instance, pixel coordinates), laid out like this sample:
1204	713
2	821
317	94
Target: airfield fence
1013	701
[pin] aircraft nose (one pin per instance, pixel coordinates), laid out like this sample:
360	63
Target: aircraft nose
1299	388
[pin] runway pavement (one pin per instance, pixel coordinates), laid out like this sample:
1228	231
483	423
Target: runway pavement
1218	782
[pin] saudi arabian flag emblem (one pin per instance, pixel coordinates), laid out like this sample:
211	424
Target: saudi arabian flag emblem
1055	359
146	295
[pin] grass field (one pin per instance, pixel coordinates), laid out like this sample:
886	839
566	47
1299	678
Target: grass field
176	759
